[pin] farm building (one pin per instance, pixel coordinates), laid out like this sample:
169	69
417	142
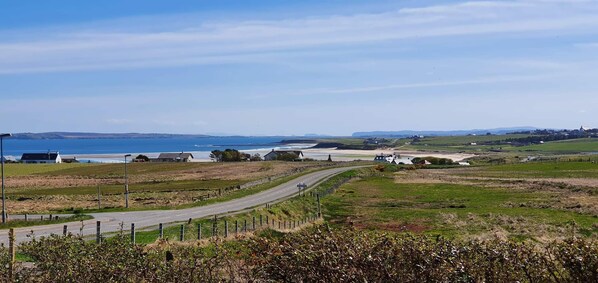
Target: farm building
276	154
174	157
49	157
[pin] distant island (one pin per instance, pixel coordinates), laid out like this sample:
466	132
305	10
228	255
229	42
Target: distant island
408	133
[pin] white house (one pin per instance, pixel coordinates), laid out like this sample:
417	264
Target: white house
393	158
402	160
49	157
174	157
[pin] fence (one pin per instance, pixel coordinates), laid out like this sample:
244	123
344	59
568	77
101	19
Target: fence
226	226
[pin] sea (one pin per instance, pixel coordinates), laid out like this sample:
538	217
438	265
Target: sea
111	150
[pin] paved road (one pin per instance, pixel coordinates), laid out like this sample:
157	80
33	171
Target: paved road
111	221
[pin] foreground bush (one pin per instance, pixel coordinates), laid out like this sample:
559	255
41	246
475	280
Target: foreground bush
349	256
72	259
317	255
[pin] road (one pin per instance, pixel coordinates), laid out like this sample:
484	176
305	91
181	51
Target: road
111	221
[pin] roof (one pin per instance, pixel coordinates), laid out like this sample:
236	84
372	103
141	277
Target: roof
181	155
296	152
39	156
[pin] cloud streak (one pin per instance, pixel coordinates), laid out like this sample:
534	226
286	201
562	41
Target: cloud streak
247	41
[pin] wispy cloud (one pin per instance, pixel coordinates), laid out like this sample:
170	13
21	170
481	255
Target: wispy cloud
488	80
227	42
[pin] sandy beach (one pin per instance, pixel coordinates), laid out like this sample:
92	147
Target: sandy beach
308	152
352	154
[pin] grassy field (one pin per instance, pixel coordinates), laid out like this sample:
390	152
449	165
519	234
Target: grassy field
43	188
465	140
463	144
18	169
565	146
294	209
442	204
555	169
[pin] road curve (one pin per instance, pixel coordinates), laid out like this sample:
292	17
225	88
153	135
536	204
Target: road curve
111	221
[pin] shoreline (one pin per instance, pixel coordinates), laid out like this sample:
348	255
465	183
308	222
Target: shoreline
307	149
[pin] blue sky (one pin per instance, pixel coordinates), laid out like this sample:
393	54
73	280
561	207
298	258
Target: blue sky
295	67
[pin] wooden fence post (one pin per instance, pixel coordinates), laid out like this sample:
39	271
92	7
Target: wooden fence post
26	217
41	218
236	227
98	233
245	225
225	229
64	230
189	221
133	233
279	224
319	208
261	220
161	230
215	227
267	221
182	233
99	198
199	231
253	224
11	251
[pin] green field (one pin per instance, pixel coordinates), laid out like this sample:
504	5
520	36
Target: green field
565	146
554	169
44	188
466	140
166	186
463	211
18	169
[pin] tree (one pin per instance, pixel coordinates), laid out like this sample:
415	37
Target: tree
256	157
216	155
142	158
229	155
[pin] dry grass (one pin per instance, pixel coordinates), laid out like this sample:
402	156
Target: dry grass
152	185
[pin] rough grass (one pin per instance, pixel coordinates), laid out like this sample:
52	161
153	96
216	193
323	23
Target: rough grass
73	187
454	210
294	209
19	169
552	169
36	222
564	146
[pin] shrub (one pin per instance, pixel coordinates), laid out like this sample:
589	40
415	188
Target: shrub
314	255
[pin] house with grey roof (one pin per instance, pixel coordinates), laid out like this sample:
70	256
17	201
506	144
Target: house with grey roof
174	157
41	158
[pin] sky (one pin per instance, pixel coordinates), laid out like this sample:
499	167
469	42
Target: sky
274	67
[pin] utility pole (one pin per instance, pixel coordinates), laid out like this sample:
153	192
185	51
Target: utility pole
126	183
2	136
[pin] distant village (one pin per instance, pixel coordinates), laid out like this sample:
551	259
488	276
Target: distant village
228	155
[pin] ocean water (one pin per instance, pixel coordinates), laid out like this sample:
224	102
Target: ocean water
201	146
